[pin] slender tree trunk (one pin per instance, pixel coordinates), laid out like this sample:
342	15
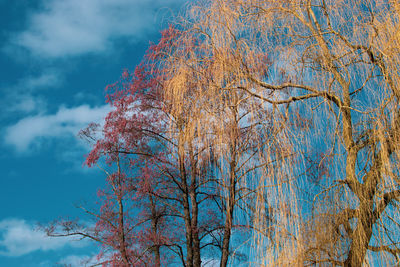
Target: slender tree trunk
195	232
157	262
122	243
154	226
195	212
188	228
186	205
230	202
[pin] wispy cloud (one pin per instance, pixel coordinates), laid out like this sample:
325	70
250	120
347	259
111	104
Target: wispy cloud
66	122
44	80
26	104
22	96
18	237
74	27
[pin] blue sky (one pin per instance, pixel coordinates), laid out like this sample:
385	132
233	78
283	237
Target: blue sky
56	57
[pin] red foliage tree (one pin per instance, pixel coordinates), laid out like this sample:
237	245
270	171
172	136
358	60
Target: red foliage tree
158	179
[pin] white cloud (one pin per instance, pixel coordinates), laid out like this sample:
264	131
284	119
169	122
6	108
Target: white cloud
44	80
21	97
26	104
66	122
76	27
19	238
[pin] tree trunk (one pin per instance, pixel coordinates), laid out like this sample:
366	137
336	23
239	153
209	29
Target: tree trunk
230	203
365	216
361	236
186	205
195	212
154	225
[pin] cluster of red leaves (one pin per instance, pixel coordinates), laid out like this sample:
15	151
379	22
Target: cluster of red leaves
129	223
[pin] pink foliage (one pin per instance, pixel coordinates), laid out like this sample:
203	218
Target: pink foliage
129	222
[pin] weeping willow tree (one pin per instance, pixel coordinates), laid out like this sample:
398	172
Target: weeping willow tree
317	82
233	127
